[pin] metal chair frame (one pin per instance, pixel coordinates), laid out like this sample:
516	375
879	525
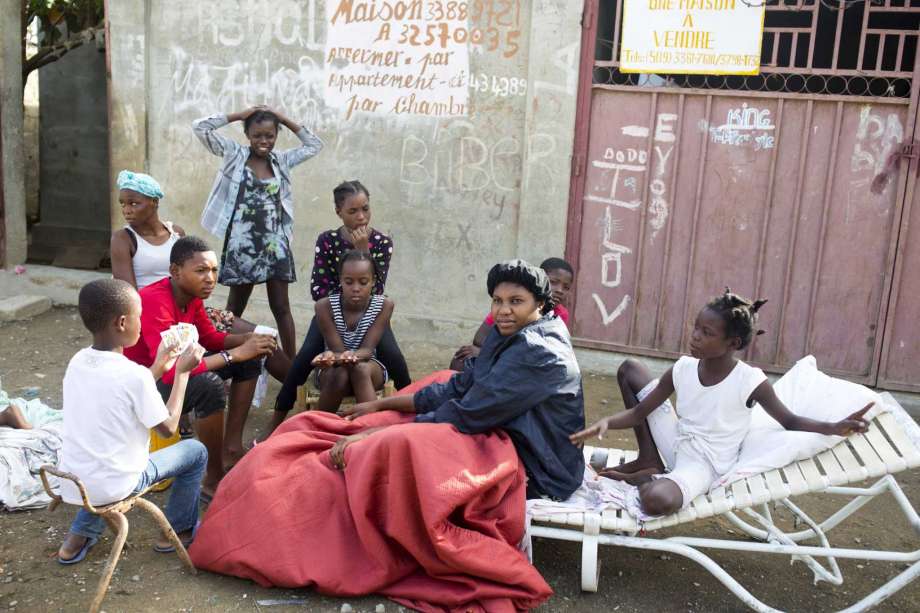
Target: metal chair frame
114	516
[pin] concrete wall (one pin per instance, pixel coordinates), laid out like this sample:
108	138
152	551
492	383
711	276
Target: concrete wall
456	193
74	143
31	146
11	141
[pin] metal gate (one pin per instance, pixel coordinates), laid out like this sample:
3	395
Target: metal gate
791	185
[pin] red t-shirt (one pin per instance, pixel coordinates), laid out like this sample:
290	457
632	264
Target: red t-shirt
159	312
559	310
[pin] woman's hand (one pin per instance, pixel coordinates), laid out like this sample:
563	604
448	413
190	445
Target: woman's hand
337	453
324	360
598	430
360	409
286	121
244	114
360	238
854	423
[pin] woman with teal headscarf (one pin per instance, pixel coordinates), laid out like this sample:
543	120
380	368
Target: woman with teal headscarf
140	250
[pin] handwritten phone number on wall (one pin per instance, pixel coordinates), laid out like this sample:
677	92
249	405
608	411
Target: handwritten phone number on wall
499	13
694	58
498	86
441	34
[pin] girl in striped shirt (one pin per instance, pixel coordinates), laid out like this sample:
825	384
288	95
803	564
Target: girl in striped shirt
352	322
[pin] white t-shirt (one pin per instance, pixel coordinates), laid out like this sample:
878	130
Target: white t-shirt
110	404
716	418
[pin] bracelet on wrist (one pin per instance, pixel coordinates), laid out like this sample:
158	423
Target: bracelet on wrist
228	359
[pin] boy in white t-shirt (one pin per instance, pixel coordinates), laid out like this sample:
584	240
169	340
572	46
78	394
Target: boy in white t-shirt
110	404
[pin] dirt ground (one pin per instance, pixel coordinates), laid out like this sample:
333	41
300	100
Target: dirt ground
36	353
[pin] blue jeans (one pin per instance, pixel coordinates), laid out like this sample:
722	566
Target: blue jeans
185	462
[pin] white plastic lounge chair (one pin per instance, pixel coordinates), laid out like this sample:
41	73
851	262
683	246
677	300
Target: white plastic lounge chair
891	445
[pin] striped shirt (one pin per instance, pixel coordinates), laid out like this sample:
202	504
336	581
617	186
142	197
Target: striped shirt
352	339
221	201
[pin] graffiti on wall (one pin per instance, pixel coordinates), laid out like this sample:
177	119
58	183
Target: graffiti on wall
621	171
745	126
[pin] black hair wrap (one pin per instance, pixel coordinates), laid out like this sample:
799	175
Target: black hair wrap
531	278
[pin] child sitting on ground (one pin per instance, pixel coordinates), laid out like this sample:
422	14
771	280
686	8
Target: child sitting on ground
352	322
715	394
110	404
179	299
561	276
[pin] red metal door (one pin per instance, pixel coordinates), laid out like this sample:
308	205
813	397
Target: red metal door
900	356
684	185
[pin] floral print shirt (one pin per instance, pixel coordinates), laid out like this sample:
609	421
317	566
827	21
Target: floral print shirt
330	247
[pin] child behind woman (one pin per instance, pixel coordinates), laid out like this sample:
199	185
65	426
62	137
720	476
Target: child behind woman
560	275
352	322
715	394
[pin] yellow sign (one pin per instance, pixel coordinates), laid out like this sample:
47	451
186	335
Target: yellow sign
692	36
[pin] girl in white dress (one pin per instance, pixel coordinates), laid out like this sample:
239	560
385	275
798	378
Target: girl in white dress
681	454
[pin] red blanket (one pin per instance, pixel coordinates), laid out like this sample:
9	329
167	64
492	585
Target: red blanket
422	514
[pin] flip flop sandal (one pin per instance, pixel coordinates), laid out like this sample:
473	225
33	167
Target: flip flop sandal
89	544
185	543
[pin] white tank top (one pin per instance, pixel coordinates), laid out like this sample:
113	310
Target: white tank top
714	418
151	262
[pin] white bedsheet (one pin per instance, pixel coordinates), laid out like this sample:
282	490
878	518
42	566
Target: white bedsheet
804	389
23	452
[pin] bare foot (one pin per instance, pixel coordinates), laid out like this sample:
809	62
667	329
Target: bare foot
14	418
637	465
637	477
71	546
232	456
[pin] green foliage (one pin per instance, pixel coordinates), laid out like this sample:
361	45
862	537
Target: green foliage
62	25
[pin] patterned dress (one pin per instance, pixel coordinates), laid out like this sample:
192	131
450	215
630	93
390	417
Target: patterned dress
256	248
330	247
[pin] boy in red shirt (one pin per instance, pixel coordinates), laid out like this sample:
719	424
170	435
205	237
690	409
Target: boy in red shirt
178	299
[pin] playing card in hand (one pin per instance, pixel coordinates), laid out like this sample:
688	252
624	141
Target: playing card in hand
180	336
260	329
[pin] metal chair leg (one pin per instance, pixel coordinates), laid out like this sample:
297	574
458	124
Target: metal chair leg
168	532
119	525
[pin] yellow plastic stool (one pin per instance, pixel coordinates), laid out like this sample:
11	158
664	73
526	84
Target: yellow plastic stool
158	442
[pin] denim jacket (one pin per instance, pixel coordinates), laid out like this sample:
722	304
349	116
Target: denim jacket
219	209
